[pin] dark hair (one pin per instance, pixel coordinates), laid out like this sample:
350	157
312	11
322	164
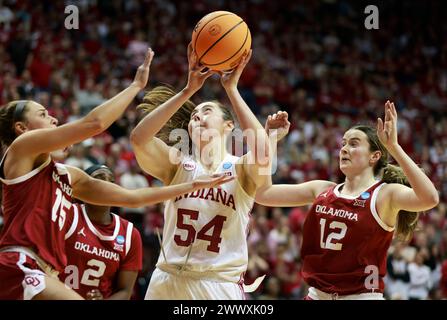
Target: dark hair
11	113
92	169
406	221
180	120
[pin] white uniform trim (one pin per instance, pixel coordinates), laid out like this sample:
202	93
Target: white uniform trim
344	196
96	232
4	156
374	210
62	169
74	224
26	176
30	291
316	294
129	236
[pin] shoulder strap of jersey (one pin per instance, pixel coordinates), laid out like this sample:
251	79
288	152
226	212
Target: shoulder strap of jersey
2	174
129	236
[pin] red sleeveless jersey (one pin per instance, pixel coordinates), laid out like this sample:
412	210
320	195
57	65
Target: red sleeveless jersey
345	243
37	210
97	253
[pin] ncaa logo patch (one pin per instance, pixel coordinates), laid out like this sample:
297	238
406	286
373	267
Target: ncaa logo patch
365	195
120	239
189	165
227	165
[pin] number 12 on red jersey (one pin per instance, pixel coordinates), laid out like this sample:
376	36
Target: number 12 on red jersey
339	233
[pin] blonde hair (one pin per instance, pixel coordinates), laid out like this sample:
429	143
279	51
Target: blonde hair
180	120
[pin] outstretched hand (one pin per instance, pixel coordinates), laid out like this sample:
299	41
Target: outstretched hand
387	130
279	124
196	75
211	181
142	75
230	79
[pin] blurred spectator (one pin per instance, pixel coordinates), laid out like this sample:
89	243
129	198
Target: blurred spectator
78	156
272	290
133	179
398	278
89	97
443	283
420	282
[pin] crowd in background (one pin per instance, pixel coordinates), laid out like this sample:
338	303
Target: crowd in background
313	59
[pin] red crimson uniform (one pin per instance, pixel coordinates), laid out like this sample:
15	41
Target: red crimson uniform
345	243
37	210
97	253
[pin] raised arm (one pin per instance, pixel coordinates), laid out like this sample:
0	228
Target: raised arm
153	153
35	142
258	144
103	193
422	195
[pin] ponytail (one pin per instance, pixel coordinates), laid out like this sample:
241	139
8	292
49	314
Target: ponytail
406	220
11	113
180	120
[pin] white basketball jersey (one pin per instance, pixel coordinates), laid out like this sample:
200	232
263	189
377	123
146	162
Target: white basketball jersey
207	229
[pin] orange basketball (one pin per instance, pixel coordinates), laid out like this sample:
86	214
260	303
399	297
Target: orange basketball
220	39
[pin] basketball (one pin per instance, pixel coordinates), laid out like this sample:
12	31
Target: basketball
220	39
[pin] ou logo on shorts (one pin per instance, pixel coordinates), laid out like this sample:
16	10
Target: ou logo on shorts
33	281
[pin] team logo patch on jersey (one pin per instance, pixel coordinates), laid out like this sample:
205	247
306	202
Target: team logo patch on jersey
359	203
81	232
120	239
31	280
227	165
365	195
189	165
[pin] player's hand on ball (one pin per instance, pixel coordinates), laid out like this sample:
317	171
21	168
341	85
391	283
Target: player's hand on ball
278	124
230	79
211	181
142	75
94	294
197	73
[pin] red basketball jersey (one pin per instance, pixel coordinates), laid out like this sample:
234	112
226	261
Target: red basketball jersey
96	253
37	209
345	243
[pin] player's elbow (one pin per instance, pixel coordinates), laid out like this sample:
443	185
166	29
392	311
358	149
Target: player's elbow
429	201
433	200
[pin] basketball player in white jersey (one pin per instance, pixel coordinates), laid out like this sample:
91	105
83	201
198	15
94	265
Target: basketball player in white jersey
204	248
